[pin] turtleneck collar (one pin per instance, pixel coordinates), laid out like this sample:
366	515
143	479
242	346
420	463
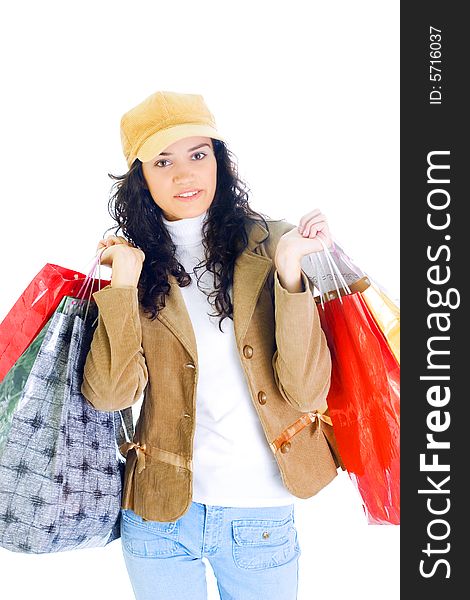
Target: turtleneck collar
186	232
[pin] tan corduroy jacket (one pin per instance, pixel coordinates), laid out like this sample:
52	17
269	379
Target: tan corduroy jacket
285	359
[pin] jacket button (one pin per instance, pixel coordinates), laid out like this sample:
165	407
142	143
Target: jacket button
190	365
247	351
262	397
266	534
285	447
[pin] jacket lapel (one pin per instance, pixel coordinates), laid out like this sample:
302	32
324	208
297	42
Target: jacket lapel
250	273
176	317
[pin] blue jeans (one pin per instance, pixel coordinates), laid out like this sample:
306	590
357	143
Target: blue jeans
253	552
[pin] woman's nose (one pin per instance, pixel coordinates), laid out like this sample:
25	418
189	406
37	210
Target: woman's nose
184	176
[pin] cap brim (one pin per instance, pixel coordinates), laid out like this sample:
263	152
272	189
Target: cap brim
165	137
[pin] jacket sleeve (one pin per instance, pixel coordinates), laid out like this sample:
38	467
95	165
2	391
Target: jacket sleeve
115	372
302	361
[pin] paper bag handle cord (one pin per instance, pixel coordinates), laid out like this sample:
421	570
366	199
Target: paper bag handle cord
335	271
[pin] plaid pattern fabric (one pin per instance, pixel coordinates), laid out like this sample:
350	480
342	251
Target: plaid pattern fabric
61	473
11	388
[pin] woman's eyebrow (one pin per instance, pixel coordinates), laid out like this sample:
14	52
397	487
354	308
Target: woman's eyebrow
189	150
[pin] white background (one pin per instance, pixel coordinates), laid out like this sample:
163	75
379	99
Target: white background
307	95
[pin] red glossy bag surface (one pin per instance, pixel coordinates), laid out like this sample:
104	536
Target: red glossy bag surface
35	306
363	404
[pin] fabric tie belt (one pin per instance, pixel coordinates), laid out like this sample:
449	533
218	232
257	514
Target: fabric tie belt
157	453
297	426
141	451
179	461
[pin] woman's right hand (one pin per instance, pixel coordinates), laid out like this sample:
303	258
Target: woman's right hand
118	246
125	260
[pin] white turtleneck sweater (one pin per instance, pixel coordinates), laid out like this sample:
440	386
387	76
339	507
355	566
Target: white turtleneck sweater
232	463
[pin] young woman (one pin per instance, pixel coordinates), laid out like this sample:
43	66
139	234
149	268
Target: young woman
209	473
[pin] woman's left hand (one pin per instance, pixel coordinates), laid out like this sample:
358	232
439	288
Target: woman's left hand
305	238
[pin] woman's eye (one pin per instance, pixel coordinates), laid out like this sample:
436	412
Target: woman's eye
157	164
199	153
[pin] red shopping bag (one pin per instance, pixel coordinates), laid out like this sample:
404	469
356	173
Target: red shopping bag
35	306
337	268
363	404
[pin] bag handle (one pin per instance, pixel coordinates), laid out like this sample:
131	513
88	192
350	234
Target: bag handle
335	273
85	290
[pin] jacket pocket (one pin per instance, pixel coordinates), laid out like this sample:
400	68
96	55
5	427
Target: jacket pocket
153	539
264	543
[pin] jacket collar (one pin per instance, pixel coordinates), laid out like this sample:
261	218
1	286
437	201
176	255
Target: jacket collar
250	273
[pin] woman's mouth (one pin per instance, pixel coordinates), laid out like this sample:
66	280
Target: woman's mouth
188	196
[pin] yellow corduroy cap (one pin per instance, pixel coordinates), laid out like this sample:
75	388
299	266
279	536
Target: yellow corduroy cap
162	119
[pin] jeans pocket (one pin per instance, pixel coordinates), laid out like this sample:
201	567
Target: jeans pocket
151	539
264	543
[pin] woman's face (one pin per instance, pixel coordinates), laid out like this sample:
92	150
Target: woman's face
188	165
